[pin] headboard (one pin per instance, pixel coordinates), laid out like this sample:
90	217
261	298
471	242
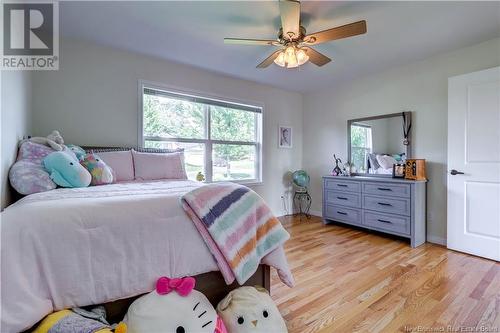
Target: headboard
102	149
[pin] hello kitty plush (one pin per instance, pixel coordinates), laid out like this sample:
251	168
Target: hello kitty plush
250	310
174	307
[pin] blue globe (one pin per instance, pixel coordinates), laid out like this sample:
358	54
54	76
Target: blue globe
300	178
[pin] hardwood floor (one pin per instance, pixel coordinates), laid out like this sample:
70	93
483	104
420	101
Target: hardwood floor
349	280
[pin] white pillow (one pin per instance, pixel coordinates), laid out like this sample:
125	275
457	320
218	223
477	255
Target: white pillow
153	166
386	161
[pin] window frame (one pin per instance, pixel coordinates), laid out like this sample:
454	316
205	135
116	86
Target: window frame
207	141
367	150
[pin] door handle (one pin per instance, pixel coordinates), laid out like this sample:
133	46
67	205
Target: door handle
454	172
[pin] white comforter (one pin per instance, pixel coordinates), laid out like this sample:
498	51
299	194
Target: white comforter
76	247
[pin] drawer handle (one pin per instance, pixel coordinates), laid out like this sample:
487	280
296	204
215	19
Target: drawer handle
341	213
341	185
342	198
385	204
384	189
384	221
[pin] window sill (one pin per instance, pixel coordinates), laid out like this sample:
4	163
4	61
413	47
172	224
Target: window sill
251	182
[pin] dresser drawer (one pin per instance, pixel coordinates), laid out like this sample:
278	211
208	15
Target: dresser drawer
343	214
387	204
398	224
399	190
342	185
343	198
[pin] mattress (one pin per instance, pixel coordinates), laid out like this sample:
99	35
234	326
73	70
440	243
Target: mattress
75	247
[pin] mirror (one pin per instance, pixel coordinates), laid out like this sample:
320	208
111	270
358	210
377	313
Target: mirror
376	143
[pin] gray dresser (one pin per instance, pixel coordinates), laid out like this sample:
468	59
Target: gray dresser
390	205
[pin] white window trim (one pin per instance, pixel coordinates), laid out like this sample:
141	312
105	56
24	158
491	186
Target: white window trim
208	142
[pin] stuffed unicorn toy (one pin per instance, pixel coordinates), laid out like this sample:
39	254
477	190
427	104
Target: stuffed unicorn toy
101	173
174	307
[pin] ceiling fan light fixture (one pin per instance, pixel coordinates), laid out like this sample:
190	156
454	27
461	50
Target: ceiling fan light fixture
295	43
302	57
280	59
291	57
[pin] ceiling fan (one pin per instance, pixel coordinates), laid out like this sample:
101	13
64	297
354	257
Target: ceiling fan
294	44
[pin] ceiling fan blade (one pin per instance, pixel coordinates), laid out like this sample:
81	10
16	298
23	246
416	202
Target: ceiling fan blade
243	41
315	57
348	30
269	60
290	18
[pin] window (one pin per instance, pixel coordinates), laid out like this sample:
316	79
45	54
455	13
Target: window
361	144
220	139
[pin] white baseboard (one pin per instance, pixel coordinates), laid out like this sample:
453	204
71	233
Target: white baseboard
316	213
436	240
430	238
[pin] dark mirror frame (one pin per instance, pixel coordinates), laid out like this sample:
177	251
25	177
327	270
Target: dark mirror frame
408	150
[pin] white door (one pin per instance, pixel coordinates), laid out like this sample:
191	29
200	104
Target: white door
474	150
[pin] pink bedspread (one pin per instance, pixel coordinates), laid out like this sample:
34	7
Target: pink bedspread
76	247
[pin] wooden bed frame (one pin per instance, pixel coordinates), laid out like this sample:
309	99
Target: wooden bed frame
210	284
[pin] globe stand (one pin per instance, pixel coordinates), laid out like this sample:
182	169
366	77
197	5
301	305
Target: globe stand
301	197
302	200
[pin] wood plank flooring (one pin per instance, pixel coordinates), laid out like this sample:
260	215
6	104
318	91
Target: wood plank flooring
350	280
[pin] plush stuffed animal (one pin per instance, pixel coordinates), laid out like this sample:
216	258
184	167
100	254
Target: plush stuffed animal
65	170
53	140
28	175
101	173
174	307
250	310
78	151
73	321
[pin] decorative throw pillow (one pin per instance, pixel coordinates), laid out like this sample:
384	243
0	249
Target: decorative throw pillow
372	158
101	173
28	175
386	161
152	166
121	163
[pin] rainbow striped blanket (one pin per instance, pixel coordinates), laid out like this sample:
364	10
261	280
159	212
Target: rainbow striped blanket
237	226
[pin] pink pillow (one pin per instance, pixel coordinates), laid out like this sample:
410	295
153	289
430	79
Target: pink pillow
152	166
121	162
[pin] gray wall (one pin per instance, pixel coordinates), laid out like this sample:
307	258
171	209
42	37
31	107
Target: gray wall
15	122
93	100
421	87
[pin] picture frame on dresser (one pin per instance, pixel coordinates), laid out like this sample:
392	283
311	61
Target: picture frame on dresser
389	205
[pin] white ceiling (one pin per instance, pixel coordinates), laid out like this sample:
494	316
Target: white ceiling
192	32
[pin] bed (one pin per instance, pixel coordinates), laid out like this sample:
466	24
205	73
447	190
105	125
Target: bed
104	244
